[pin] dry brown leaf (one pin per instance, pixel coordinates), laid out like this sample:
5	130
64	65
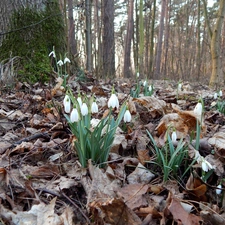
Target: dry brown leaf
46	171
102	185
113	211
180	215
218	140
196	188
133	195
98	90
143	156
140	175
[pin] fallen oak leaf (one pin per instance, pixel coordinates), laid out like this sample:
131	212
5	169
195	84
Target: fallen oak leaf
180	215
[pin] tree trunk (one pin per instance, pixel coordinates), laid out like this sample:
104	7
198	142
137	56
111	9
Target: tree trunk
108	39
88	34
71	37
141	39
152	37
217	76
160	38
127	70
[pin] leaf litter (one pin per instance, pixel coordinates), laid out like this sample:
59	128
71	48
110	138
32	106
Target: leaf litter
42	181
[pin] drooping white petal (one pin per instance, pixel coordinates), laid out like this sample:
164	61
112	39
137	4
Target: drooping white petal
74	116
84	109
52	53
66	60
174	136
137	74
150	88
79	100
113	101
218	189
94	107
144	83
127	116
66	103
220	93
204	166
198	109
60	62
215	95
179	86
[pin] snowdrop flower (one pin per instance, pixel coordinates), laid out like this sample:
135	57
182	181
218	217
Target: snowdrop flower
144	83
218	190
215	95
74	116
113	101
94	107
179	86
60	62
52	53
220	93
127	116
137	74
66	60
174	136
206	166
198	109
84	109
79	100
150	88
66	103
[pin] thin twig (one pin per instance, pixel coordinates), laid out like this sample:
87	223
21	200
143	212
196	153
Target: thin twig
76	206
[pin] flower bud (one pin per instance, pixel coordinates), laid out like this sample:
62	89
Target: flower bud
74	116
94	107
66	103
218	190
113	101
174	136
127	116
84	109
198	109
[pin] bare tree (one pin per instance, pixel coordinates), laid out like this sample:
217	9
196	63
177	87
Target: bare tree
127	50
108	38
88	34
160	40
217	75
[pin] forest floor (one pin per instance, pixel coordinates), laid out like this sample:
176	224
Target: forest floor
42	182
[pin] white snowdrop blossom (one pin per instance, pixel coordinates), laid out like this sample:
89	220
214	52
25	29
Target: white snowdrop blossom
94	107
179	86
66	60
218	189
60	62
144	83
137	74
215	95
127	116
198	109
220	93
174	136
66	103
74	116
150	88
206	166
113	101
84	109
79	100
52	53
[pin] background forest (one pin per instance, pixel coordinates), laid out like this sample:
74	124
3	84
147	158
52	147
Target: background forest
165	39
